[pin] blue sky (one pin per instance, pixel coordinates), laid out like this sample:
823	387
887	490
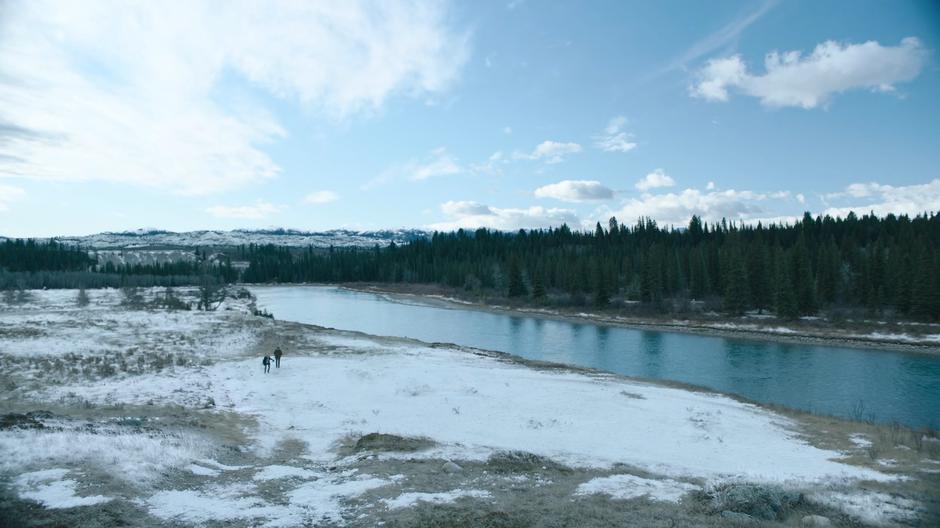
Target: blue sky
443	115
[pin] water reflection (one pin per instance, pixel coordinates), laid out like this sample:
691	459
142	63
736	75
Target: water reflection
895	386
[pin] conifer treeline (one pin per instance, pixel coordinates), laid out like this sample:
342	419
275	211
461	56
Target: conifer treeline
30	255
879	264
37	264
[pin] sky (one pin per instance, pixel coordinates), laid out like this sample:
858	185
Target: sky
442	115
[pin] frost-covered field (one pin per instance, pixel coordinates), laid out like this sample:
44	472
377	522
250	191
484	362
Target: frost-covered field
153	416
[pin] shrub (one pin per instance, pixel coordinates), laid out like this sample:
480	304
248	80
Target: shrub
764	502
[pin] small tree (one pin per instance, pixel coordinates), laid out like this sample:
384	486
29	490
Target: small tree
82	299
211	294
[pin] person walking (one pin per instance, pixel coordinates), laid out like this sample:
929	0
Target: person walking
277	357
267	363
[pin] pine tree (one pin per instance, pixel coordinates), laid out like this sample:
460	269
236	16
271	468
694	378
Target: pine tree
613	228
805	284
516	286
827	272
601	290
651	287
538	286
785	297
925	297
759	278
698	275
736	293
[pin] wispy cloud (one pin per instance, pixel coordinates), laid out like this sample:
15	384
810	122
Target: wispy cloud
614	138
551	151
808	82
128	92
321	197
723	37
440	163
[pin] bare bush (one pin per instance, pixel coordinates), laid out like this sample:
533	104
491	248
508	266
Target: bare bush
82	299
132	297
170	301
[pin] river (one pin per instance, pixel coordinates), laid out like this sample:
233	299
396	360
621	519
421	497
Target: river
881	385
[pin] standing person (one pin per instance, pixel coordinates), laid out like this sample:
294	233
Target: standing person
277	357
267	363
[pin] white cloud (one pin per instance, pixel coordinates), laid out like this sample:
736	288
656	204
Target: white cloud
807	82
245	212
321	197
884	199
656	179
439	163
862	190
575	191
8	195
614	138
465	208
710	186
472	215
801	198
136	93
678	208
552	151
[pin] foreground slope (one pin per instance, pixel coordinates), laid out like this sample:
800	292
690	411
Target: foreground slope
158	416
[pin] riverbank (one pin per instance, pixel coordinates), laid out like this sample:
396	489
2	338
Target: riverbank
912	337
143	416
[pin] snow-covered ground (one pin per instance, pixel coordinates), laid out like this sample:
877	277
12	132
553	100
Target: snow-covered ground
466	406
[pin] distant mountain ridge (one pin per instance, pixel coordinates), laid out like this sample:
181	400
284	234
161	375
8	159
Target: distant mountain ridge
151	237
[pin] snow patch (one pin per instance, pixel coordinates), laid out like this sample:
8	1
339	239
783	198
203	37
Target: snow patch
281	472
196	507
871	507
631	486
203	471
223	467
904	338
407	500
324	497
48	488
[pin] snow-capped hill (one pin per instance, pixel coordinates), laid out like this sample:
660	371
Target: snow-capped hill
150	238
